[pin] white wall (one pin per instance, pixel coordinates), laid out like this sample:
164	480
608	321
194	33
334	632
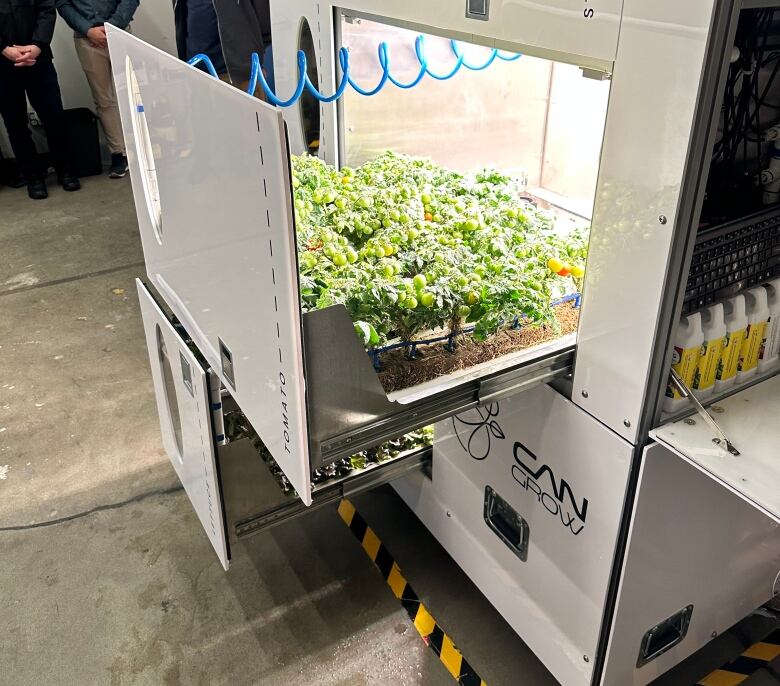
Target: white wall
153	22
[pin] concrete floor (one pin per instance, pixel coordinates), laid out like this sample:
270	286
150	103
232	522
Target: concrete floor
106	577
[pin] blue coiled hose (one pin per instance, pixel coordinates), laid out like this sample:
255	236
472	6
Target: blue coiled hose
304	83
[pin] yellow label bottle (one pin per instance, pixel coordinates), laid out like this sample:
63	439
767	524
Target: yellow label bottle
685	357
736	324
714	328
758	315
770	355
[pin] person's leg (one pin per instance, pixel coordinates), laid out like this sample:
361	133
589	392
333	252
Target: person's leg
97	67
43	90
13	109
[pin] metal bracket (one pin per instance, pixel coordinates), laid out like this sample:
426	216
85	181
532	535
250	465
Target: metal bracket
720	438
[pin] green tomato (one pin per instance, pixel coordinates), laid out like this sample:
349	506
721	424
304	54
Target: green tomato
389	249
472	297
411	234
411	302
475	276
379	252
426	199
464	311
419	281
395	215
427	298
471	225
339	259
463	280
328	197
341	203
352	256
363	202
387	222
388	271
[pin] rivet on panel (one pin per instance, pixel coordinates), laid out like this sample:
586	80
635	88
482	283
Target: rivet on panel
626	423
584	394
662	219
690	422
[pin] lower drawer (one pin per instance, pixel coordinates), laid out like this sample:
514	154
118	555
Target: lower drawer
699	559
230	485
527	496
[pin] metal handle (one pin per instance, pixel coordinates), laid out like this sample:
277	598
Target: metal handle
720	438
507	524
664	635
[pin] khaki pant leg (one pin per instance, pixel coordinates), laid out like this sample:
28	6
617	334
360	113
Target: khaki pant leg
97	67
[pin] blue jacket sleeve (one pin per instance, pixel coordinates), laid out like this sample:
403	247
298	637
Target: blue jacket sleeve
123	14
73	17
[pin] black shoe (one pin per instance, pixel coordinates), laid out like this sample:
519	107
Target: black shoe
36	189
16	180
69	182
118	166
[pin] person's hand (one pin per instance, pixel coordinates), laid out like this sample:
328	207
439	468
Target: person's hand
29	55
12	53
97	37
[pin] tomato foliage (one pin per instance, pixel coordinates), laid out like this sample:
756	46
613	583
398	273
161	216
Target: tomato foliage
408	247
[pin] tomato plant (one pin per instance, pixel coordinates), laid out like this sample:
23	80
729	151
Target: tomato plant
408	247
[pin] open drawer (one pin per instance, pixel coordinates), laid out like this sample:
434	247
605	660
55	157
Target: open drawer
750	420
230	486
213	194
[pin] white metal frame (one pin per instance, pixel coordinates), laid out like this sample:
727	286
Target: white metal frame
648	129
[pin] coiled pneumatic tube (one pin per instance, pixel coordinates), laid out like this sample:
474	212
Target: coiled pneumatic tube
304	83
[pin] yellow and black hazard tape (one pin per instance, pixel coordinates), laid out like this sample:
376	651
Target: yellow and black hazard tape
433	635
741	668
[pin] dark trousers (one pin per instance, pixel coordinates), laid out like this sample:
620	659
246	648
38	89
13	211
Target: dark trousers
39	83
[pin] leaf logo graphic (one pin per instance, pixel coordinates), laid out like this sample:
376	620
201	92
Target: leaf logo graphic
476	429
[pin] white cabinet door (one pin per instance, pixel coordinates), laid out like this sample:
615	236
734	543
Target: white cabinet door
211	180
181	387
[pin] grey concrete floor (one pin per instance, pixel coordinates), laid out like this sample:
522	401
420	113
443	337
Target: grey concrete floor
106	577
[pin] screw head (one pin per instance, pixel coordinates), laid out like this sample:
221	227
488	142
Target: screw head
662	219
586	658
584	394
449	514
713	634
690	422
626	423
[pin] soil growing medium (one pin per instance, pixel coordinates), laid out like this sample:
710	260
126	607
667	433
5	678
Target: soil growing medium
399	372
